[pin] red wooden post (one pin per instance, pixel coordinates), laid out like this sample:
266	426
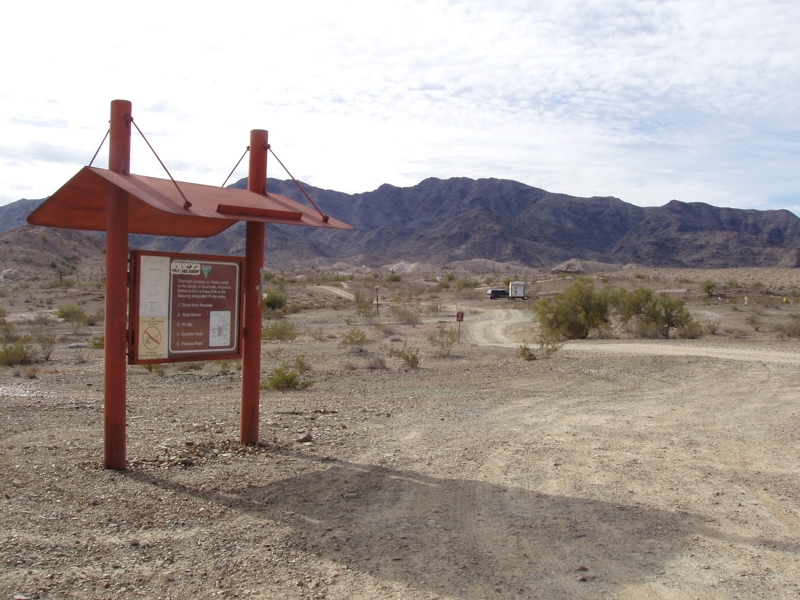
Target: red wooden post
254	261
119	161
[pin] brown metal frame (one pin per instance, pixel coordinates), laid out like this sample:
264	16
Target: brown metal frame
133	300
120	203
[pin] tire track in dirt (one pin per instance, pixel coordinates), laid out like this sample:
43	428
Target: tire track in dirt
735	457
491	328
336	291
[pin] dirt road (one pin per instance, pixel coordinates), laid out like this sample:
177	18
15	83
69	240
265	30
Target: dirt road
612	470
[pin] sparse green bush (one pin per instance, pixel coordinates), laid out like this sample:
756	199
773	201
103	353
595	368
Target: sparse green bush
791	329
9	333
690	331
465	283
406	314
288	377
394	277
159	369
376	363
279	330
711	326
443	340
317	333
549	345
274	300
708	287
272	353
653	316
363	303
95	317
71	312
576	312
17	353
353	339
46	341
60	283
525	352
98	342
753	321
408	354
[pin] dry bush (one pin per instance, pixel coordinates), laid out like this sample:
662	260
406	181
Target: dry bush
408	354
354	339
443	340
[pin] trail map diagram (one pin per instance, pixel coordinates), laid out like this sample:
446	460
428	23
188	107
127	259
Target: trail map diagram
219	333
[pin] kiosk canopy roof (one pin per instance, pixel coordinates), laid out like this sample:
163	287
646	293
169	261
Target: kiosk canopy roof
156	207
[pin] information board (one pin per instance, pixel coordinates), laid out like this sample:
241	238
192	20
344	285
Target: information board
184	307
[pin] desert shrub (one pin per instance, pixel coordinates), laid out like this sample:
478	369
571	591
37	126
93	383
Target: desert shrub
71	312
549	345
98	342
408	354
363	303
159	369
64	282
652	316
384	329
274	300
394	277
708	287
17	353
9	333
42	320
288	376
790	329
576	312
279	330
3	313
317	333
525	352
690	331
406	314
376	363
301	364
272	353
46	341
443	340
753	321
465	283
711	326
353	339
95	317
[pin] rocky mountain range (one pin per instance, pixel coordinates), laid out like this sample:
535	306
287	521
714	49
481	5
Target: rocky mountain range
441	221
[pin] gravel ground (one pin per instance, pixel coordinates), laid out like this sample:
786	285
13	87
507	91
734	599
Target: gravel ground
613	469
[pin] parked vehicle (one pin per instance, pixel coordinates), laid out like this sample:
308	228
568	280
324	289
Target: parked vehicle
516	289
493	294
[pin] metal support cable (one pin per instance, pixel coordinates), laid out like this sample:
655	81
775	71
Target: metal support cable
300	187
186	203
236	166
105	137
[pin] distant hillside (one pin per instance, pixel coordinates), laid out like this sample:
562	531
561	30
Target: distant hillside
441	221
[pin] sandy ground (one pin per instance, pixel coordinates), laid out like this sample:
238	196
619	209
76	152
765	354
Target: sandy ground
615	469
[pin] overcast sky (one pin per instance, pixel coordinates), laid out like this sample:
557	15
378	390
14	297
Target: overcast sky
695	100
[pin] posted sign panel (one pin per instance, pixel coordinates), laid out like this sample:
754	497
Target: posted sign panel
185	307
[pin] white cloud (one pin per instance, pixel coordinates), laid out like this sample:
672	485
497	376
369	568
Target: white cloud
647	101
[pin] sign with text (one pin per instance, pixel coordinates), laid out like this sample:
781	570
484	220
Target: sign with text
184	307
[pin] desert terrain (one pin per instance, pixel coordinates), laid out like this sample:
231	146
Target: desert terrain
617	468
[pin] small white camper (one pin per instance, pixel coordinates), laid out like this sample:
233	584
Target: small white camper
516	289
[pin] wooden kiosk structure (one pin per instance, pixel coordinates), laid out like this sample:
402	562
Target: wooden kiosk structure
117	202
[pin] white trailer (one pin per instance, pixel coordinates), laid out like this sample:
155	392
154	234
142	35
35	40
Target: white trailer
516	289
